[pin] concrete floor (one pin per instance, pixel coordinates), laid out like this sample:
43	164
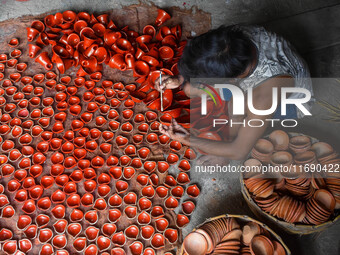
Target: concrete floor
311	25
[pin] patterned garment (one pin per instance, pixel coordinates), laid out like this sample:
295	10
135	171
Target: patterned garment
276	57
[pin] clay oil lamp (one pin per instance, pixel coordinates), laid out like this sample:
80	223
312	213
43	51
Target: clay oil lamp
144	204
136	247
141	69
10	247
261	243
177	191
150	166
12	63
44	60
158	241
115	103
103	243
143	152
263	150
7	212
118	239
79	244
299	144
149	30
13	43
118	61
162	191
166	53
132	232
161	17
114	215
148	191
128	173
143	179
152	138
144	218
15	77
61	180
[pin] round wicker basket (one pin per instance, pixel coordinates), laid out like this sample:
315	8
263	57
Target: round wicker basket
291	228
243	218
299	229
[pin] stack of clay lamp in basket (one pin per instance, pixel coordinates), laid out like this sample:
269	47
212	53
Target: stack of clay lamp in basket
295	196
228	236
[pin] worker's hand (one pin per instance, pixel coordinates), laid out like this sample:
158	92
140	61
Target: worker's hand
176	132
168	82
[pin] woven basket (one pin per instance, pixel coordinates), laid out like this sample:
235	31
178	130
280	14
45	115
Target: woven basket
291	228
243	218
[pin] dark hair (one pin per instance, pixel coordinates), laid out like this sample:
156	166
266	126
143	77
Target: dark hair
224	52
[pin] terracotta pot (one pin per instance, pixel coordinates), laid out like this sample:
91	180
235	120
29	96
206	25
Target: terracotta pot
3	58
141	69
60	51
73	40
15	53
14	42
161	17
69	16
163	31
44	60
31	33
101	55
144	39
121	46
118	61
110	37
177	31
166	53
88	36
84	16
149	30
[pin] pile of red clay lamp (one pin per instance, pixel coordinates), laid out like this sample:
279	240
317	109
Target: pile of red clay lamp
84	167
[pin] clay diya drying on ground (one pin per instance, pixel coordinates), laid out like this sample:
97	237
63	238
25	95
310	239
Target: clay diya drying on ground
307	194
88	43
83	165
233	235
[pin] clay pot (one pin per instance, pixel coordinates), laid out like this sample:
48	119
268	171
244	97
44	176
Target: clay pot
44	60
14	42
149	30
158	241
161	17
33	50
110	37
88	36
73	40
261	244
69	16
141	69
280	140
299	144
166	53
121	46
281	158
31	33
118	61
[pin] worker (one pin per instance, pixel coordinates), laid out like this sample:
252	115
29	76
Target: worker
255	58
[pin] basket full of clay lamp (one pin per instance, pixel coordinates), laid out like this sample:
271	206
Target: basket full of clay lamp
233	234
303	197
